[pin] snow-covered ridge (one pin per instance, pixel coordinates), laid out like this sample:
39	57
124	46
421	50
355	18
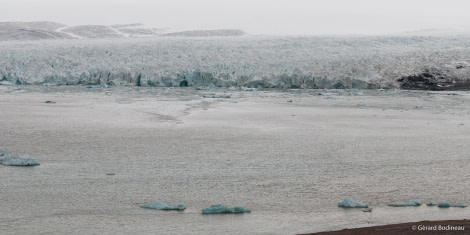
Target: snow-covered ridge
22	31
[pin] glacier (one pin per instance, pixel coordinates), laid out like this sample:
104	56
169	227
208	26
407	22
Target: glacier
409	62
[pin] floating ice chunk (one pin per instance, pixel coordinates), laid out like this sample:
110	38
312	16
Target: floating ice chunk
8	160
432	203
221	209
447	205
349	203
459	204
407	203
443	204
164	206
20	162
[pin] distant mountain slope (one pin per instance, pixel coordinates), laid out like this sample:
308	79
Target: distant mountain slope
19	31
208	33
93	31
30	31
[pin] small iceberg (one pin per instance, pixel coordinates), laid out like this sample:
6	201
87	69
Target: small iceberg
221	209
8	160
432	203
349	203
447	205
164	206
407	203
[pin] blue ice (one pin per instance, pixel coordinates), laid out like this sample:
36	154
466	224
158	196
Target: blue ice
447	204
349	203
8	160
415	202
221	209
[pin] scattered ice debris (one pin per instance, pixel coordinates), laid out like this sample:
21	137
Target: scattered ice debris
216	96
447	205
349	203
221	209
164	206
8	159
49	102
407	203
432	203
367	209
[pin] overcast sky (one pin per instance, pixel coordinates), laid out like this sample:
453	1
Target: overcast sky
299	17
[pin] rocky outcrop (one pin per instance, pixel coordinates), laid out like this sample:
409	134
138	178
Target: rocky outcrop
455	76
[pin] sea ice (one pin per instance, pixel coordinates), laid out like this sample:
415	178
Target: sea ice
349	203
164	206
8	160
221	209
407	203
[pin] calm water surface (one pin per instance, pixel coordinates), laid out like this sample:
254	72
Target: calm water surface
103	153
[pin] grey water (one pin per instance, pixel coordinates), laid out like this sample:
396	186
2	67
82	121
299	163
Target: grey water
105	153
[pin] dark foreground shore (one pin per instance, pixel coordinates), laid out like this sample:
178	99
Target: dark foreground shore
422	227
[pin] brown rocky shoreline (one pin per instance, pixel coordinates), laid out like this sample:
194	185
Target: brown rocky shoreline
422	227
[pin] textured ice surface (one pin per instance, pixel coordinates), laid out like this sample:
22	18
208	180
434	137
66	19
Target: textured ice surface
349	203
221	209
407	203
164	206
9	160
447	204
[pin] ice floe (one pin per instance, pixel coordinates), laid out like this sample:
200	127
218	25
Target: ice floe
8	159
164	206
407	203
447	204
349	203
221	209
